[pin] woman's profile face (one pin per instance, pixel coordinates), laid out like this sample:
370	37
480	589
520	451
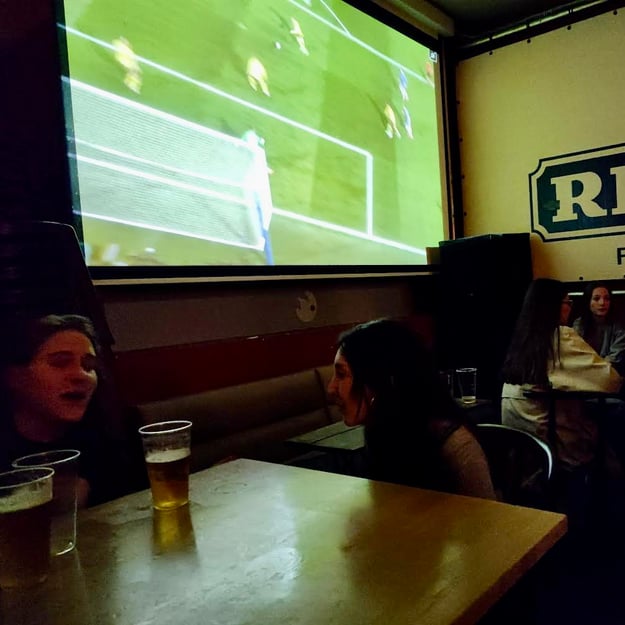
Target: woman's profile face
600	302
57	384
352	405
565	309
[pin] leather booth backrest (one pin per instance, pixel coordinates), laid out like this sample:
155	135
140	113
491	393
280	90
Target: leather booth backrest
252	420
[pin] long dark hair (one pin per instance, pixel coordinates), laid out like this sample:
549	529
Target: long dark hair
22	338
393	363
532	344
587	321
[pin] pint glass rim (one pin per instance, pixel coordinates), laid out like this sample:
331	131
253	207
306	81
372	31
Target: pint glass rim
466	369
46	457
165	427
37	474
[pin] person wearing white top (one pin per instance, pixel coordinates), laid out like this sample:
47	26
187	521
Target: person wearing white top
546	354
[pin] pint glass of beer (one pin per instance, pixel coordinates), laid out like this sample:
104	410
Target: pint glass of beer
65	465
25	508
167	449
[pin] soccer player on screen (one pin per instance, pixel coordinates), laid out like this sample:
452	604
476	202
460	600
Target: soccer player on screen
429	72
126	57
257	75
403	85
405	116
296	31
391	128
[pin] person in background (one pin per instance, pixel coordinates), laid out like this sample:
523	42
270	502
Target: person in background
596	325
545	354
49	373
385	379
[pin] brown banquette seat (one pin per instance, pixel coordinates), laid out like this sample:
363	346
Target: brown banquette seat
252	420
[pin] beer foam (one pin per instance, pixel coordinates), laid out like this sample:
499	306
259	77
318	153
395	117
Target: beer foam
167	455
25	497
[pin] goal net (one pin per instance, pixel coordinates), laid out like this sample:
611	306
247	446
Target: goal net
141	166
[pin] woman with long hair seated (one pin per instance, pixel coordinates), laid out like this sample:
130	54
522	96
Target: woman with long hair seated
50	399
545	354
415	434
597	326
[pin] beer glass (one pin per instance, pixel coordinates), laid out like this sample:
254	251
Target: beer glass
172	530
25	507
467	382
65	465
167	450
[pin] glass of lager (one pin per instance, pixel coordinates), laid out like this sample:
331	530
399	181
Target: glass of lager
65	465
167	449
172	530
25	507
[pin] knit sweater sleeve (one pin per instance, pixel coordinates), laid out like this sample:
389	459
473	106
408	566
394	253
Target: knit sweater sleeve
468	465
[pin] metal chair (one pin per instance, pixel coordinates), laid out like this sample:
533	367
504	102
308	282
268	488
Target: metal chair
520	464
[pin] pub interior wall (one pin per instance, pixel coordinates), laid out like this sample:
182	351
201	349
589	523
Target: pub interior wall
559	93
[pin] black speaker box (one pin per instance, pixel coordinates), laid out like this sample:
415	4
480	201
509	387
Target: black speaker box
483	280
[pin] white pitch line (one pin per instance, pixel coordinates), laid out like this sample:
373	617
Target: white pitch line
344	230
224	94
137	224
145	161
343	31
330	11
165	181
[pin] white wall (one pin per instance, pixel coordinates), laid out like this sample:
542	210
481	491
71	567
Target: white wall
561	93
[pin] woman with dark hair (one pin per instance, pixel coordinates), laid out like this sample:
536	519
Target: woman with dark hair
385	379
546	354
596	325
49	373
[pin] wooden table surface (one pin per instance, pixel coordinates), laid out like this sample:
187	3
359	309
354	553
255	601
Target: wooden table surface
273	544
334	436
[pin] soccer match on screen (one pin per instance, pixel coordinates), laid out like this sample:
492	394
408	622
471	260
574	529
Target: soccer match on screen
249	132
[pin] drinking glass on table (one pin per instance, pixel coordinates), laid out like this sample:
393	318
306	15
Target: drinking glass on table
467	383
167	450
25	508
64	502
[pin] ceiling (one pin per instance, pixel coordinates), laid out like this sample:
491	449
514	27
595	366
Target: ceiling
475	19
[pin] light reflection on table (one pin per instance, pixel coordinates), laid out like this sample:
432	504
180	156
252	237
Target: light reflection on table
266	543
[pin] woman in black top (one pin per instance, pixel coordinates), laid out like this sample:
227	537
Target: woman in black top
415	434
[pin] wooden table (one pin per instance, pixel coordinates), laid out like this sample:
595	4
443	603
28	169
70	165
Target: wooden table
273	544
336	436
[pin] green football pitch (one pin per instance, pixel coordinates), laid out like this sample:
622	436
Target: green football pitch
343	192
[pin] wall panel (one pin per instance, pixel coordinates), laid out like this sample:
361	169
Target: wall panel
559	94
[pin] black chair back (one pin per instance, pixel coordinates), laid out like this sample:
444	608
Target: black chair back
42	271
521	465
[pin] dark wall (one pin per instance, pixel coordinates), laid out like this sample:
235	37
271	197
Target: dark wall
33	172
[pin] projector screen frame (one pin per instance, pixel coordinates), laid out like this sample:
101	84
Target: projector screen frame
157	274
